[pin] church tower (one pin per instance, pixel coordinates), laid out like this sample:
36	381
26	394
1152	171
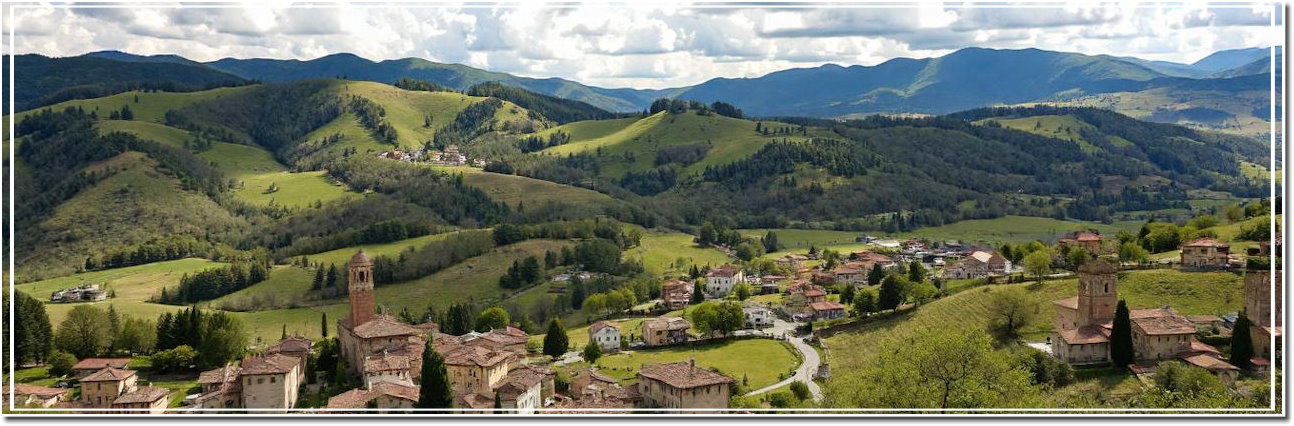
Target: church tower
1098	292
362	306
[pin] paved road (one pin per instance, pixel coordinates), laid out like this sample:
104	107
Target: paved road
807	368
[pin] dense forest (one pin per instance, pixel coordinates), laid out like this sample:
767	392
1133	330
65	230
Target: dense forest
553	108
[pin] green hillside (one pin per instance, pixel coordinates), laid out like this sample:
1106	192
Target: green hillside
516	190
662	252
133	285
151	106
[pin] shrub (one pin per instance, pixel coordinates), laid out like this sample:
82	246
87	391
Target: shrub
60	363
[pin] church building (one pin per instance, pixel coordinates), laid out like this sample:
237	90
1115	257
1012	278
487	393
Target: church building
370	340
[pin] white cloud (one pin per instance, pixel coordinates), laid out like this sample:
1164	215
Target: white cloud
639	45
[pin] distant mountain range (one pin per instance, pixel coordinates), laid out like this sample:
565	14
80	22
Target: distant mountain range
967	78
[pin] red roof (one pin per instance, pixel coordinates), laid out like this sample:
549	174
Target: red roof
726	271
28	389
682	375
1205	242
101	363
826	306
108	374
1084	335
143	394
269	364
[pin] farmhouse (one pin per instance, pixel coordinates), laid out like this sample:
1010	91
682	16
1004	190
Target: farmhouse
605	335
220	388
979	264
800	296
757	316
27	395
270	381
520	393
682	385
719	281
676	294
365	334
82	293
100	389
1086	240
474	369
665	331
1205	253
88	366
851	273
826	310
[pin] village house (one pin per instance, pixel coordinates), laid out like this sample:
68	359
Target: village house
220	388
792	261
475	369
866	260
681	385
383	397
587	381
296	347
1084	323
720	281
605	335
676	294
978	264
364	333
28	395
665	331
101	388
387	368
757	316
1086	240
520	393
826	310
771	284
851	273
1265	321
799	296
1205	253
144	400
547	380
270	381
89	366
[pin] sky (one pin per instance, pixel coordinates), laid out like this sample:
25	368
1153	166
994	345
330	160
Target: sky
654	44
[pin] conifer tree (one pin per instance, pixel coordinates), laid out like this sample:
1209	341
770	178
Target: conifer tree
1122	353
435	390
697	295
555	342
319	279
1242	343
323	324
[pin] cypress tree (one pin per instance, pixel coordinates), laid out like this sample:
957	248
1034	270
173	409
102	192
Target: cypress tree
555	342
332	275
875	276
1122	352
323	324
435	390
1242	343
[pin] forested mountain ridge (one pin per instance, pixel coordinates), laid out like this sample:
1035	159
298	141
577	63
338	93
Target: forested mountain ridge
43	81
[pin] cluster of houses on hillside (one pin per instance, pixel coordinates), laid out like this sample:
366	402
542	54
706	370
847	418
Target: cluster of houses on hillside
81	293
451	156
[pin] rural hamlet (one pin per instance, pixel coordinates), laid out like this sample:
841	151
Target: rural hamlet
599	211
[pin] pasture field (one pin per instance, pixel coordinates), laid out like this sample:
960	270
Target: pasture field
340	256
733	358
152	106
133	286
664	252
532	193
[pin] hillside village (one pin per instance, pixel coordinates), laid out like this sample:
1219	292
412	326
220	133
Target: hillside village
336	245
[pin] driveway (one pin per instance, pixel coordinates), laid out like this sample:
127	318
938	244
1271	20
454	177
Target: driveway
806	370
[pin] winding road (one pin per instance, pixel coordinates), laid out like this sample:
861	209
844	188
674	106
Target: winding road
807	368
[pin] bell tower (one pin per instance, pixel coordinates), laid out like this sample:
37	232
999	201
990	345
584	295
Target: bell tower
361	289
1098	292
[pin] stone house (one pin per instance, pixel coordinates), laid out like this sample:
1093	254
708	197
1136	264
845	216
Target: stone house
720	281
676	294
665	331
800	296
681	385
605	335
475	369
521	392
270	381
27	395
1225	372
851	273
588	382
296	347
384	397
1205	253
220	388
387	368
144	400
547	380
978	264
866	260
1086	240
507	339
1259	289
826	310
101	388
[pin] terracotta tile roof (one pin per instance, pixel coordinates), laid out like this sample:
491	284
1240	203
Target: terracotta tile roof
667	323
475	356
384	326
682	375
291	345
101	363
476	401
1071	302
1084	335
228	373
1205	242
359	258
518	382
507	336
108	374
725	271
538	369
397	390
428	327
814	291
142	395
1198	347
354	398
269	364
826	306
847	269
386	362
1210	363
1161	321
598	326
29	389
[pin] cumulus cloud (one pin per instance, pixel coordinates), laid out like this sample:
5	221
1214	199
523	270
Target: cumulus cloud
638	45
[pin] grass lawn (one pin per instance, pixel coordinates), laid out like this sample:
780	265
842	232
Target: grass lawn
803	238
1189	293
662	252
758	360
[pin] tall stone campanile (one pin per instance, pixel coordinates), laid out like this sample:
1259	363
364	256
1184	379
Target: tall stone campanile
362	306
1098	292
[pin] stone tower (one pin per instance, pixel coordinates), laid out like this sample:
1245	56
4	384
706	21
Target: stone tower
362	305
1098	292
1258	296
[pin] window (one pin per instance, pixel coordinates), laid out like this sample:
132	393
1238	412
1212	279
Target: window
260	380
271	379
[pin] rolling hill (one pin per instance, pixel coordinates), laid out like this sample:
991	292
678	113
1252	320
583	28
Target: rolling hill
41	80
